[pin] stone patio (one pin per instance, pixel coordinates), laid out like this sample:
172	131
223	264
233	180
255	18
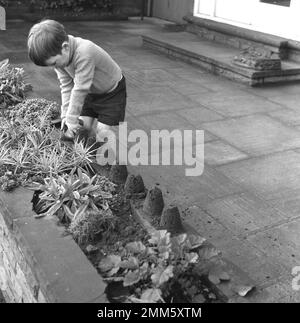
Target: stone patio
247	201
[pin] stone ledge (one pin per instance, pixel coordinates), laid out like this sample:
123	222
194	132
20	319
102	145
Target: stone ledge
244	33
40	262
217	58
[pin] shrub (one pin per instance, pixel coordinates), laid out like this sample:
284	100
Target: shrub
12	84
75	5
37	112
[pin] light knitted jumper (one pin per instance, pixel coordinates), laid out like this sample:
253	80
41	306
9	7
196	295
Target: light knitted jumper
91	70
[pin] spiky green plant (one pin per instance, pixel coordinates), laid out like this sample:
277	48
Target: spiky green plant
82	155
20	159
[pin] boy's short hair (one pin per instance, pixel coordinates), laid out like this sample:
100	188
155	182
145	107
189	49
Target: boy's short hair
45	40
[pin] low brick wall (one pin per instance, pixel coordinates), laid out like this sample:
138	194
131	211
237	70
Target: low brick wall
38	262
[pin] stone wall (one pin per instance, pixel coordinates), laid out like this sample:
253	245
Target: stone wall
38	262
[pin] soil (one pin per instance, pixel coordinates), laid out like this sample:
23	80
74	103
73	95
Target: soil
2	300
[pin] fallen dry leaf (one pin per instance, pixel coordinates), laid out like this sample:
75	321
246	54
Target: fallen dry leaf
214	279
243	290
217	274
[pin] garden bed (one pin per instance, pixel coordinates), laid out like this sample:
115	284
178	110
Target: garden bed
62	16
121	254
73	10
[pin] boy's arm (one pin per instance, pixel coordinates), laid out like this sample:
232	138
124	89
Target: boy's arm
66	85
84	75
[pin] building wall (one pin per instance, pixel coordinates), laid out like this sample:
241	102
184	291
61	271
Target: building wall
172	10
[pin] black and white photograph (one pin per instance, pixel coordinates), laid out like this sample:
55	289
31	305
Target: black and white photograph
149	155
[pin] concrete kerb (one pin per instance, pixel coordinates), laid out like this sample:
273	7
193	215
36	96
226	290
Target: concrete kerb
36	250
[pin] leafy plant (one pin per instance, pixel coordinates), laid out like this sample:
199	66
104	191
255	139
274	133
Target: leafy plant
148	268
9	181
12	84
4	150
79	201
37	112
72	193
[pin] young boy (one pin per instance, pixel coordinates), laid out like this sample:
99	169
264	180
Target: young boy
93	87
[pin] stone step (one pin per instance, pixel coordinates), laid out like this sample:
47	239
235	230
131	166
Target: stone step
217	58
237	37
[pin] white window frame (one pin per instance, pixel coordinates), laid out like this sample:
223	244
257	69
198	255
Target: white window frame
253	23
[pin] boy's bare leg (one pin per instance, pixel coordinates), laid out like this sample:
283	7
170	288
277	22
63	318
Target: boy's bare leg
88	123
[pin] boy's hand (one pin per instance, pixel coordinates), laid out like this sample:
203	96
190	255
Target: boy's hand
72	127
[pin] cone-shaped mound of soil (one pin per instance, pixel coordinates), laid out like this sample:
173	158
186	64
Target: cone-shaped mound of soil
154	202
134	184
171	221
118	174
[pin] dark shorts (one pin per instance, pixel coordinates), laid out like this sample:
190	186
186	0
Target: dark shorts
108	108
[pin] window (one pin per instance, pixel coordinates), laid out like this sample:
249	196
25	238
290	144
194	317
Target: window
284	3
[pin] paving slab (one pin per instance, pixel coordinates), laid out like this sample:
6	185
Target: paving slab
258	265
244	213
275	293
237	104
163	100
218	152
200	114
257	262
281	242
271	177
150	77
255	135
201	221
289	204
161	122
290	101
287	117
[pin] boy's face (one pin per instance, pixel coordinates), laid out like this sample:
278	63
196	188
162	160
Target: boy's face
60	60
